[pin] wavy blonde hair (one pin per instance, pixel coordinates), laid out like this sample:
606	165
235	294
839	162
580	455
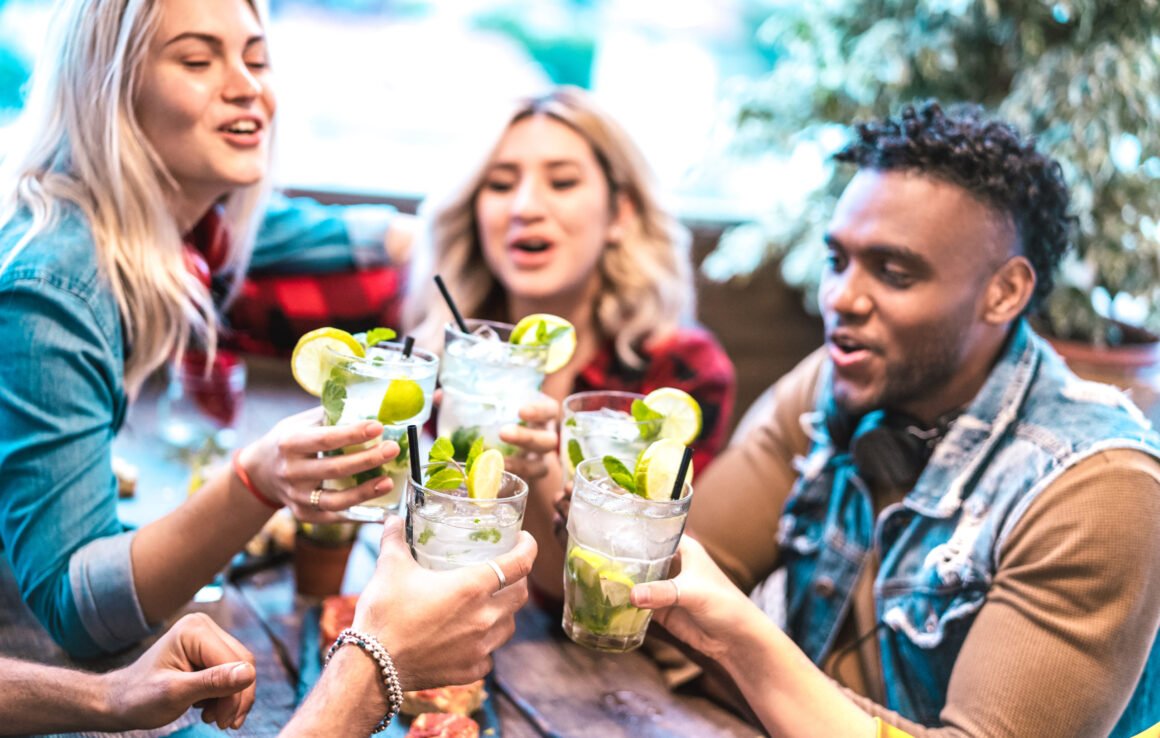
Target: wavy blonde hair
78	142
646	278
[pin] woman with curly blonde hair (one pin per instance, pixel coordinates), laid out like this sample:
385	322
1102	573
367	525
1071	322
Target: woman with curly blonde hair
562	217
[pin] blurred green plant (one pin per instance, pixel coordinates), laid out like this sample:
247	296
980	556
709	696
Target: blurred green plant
1081	75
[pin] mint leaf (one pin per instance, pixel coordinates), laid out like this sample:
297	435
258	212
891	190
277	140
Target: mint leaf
425	536
486	535
404	447
472	453
541	332
442	450
650	420
575	454
619	473
445	479
462	440
378	335
557	332
642	412
333	398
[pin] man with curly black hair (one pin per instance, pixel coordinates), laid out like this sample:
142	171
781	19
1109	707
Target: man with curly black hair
956	535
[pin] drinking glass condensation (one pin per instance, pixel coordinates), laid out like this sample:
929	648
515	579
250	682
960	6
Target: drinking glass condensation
353	393
447	529
599	424
615	540
485	382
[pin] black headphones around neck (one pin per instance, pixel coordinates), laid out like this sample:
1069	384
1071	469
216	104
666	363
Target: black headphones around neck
887	448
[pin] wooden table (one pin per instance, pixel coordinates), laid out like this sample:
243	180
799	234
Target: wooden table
547	685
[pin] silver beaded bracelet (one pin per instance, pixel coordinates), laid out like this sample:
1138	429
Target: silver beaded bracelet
371	645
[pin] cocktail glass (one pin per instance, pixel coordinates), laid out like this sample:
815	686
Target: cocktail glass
615	540
199	412
353	393
485	382
447	529
198	417
599	424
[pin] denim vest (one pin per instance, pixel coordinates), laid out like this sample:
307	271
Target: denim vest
1032	420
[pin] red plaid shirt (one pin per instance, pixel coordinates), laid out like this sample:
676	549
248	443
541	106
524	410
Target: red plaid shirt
689	359
273	311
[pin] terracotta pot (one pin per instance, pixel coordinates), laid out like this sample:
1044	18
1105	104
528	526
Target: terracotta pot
1133	367
319	568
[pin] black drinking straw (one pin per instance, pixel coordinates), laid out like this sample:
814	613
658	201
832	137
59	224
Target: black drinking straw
408	346
679	486
451	304
413	438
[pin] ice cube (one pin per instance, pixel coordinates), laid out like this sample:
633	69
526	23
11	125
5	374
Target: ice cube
486	332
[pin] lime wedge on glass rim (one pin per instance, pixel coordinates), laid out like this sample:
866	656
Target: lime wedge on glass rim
486	475
311	361
657	467
682	414
544	329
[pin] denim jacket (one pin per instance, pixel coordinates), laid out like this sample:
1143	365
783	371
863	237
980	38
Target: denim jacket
1032	421
62	401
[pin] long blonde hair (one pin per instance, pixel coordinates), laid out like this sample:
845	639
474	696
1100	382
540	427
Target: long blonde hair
646	278
78	142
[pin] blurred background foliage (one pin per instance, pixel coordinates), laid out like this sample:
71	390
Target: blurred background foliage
1081	75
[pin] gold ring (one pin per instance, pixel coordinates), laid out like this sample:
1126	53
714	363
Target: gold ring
316	499
499	573
677	592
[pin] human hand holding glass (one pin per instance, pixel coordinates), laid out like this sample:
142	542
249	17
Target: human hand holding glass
622	530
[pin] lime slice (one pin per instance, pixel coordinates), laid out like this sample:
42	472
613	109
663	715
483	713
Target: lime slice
628	621
682	421
309	362
615	587
544	329
486	475
657	467
402	400
586	566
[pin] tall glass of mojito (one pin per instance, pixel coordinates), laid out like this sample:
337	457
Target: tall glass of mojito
616	539
622	424
368	377
464	515
387	386
486	379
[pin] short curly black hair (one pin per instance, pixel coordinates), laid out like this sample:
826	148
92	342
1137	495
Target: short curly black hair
986	157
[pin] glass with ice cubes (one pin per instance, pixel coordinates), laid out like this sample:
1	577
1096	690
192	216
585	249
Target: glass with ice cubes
447	529
384	385
485	381
615	540
599	424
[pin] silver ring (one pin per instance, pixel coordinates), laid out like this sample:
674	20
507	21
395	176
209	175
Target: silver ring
677	591
498	572
315	499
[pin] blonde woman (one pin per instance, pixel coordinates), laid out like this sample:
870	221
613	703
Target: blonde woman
562	217
133	193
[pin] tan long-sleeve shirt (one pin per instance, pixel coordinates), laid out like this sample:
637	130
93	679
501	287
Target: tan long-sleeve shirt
1069	621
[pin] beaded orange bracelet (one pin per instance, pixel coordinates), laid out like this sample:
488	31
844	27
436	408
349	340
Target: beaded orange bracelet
249	485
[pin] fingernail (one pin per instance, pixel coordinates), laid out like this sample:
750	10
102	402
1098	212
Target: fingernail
384	485
239	672
640	596
372	428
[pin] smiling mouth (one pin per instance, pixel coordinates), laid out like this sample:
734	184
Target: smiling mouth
532	246
242	127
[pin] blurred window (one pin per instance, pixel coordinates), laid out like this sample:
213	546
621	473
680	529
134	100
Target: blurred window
401	96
